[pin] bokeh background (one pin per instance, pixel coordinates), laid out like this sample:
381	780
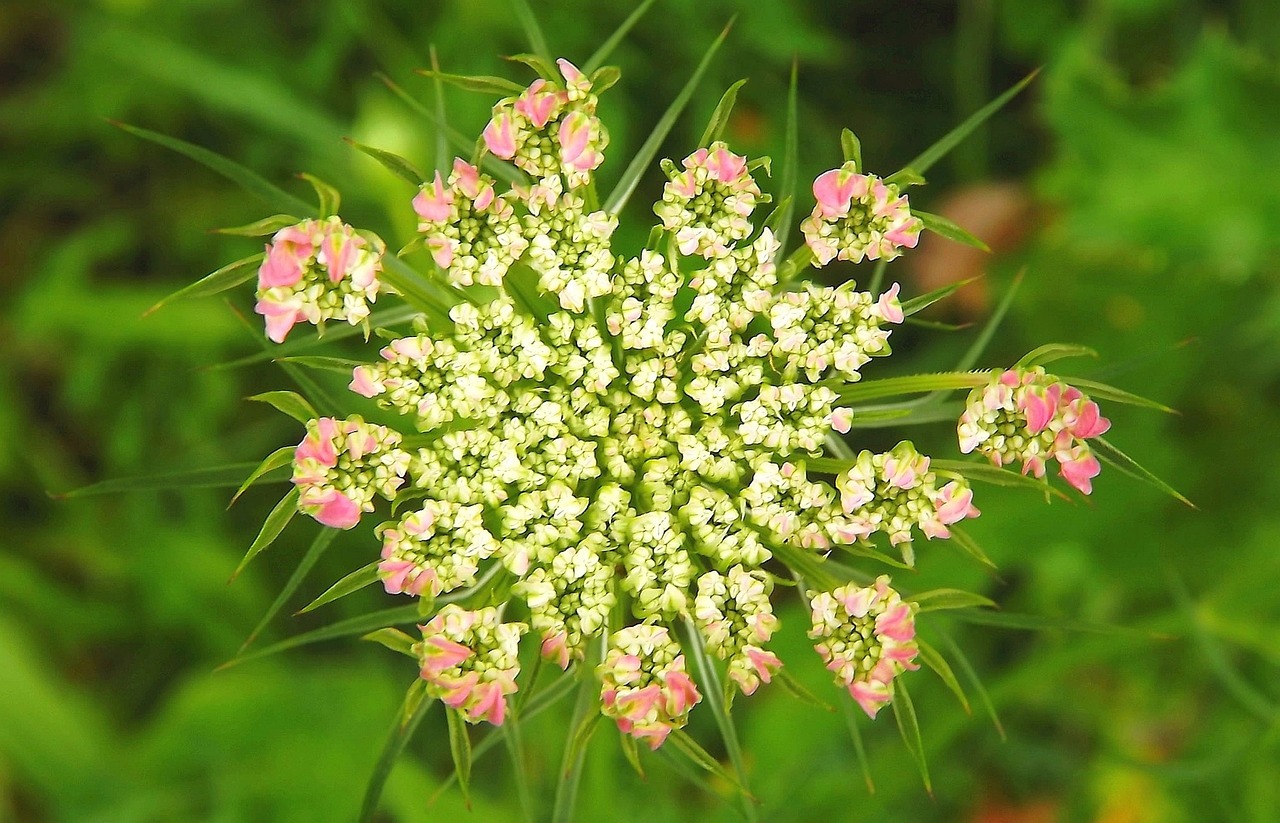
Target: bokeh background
1137	180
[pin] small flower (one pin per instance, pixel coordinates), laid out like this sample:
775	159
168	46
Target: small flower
735	616
550	130
569	599
1028	416
895	492
315	271
644	685
709	203
866	636
435	549
472	232
342	464
857	217
469	660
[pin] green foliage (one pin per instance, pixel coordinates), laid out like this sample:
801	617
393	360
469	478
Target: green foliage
1158	164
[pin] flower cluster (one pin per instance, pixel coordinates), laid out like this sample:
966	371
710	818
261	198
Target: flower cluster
473	234
707	205
610	445
342	464
315	271
1027	416
895	492
550	130
857	217
866	636
644	685
469	660
733	612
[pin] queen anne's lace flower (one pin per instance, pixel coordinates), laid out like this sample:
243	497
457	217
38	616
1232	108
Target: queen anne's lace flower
1027	416
708	204
734	614
472	232
342	464
619	445
315	271
866	636
645	687
895	492
434	549
858	216
550	130
469	660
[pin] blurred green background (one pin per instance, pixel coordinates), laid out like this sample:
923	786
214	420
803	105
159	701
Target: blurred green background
1138	180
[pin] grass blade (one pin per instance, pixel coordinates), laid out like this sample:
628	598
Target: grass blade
932	658
1101	391
217	477
227	277
713	693
354	582
596	60
483	84
912	384
720	117
290	403
318	546
940	599
979	345
966	668
397	738
925	160
850	711
961	540
548	698
514	738
924	301
275	523
393	163
1052	352
351	627
459	141
250	181
393	639
533	31
460	748
1112	456
1040	623
790	172
261	228
904	711
943	227
581	727
278	459
649	149
387	318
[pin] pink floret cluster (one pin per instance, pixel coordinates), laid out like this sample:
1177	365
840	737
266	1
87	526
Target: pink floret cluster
1028	417
315	271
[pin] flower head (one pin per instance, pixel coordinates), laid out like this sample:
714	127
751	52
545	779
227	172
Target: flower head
895	492
857	217
472	232
735	616
1028	417
315	271
342	464
708	204
644	685
550	130
866	636
469	660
